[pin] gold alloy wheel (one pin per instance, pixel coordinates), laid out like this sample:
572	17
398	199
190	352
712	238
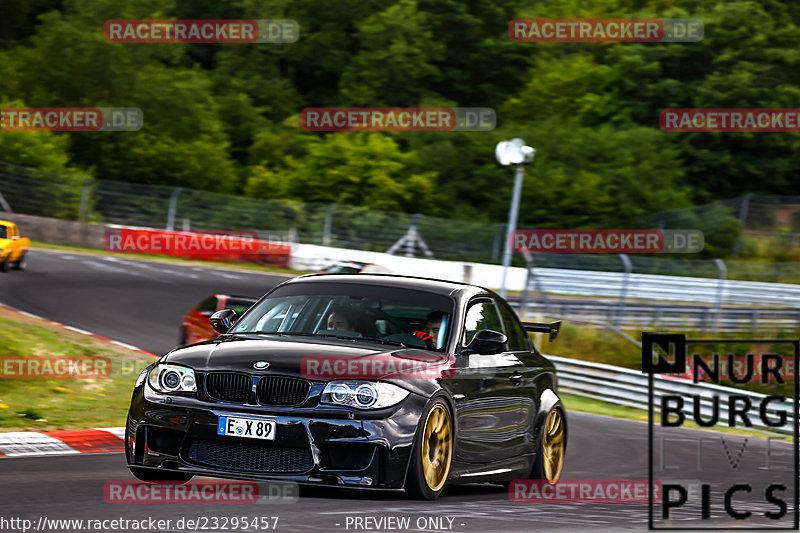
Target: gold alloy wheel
553	446
437	447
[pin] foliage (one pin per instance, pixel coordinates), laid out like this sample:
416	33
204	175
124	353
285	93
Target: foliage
225	118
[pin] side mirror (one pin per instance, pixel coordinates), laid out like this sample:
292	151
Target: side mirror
488	342
222	321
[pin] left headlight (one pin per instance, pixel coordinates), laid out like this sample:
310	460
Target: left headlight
363	394
172	378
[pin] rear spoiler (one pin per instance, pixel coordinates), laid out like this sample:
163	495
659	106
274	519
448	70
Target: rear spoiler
540	327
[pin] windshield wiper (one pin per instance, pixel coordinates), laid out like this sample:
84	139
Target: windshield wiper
282	333
383	341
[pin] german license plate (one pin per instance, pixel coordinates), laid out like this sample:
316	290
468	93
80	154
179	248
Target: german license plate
253	428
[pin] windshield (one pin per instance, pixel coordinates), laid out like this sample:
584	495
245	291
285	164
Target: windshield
413	318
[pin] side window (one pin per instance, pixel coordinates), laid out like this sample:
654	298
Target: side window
517	338
481	314
209	305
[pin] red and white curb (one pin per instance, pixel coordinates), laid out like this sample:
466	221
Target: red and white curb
64	442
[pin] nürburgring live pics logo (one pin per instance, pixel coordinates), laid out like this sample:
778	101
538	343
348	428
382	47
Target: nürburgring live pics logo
736	492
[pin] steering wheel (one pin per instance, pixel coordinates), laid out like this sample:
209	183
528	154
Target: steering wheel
409	340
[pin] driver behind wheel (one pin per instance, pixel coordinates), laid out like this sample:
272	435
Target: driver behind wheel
338	320
430	332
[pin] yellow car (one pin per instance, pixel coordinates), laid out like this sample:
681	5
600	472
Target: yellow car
12	247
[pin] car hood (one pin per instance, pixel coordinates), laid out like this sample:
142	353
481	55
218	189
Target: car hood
323	359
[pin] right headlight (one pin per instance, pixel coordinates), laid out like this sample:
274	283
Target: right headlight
363	394
166	378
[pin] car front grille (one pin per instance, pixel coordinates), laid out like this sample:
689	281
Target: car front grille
271	390
250	457
229	386
279	390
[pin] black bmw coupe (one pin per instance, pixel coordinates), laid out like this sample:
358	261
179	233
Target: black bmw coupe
367	381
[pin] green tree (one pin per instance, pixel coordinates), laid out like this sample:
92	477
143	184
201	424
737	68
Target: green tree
361	169
394	66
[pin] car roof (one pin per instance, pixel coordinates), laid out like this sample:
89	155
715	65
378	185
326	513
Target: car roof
235	297
349	263
393	280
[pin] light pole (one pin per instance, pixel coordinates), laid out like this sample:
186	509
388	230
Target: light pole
513	152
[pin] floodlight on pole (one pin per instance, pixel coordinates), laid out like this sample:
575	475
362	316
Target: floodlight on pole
513	152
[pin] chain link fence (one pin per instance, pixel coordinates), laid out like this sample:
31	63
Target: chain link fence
30	191
751	225
733	224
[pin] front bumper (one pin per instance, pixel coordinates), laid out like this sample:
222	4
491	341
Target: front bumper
329	446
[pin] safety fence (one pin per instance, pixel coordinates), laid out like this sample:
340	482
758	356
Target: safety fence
672	317
733	305
622	386
727	224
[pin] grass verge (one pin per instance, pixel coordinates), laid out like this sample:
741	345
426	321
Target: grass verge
45	404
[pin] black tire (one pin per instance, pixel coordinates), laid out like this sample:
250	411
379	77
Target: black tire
417	486
3	265
541	470
19	264
145	474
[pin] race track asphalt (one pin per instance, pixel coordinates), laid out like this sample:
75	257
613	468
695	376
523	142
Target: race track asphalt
141	303
137	302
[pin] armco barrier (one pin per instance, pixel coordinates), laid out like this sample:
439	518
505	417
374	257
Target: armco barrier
667	316
672	288
553	280
55	231
571	282
315	257
622	386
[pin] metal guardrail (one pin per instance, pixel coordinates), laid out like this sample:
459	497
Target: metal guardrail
70	197
671	288
627	287
622	386
654	316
